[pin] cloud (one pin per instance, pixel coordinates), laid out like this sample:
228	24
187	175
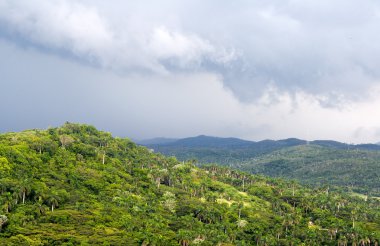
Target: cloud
184	50
57	25
41	89
81	31
252	69
320	47
302	115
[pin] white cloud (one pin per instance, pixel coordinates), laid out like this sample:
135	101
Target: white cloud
165	45
58	25
301	115
71	26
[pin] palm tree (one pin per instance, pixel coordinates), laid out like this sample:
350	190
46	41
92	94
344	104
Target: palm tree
332	233
53	202
40	209
23	191
354	216
240	206
15	197
342	241
287	222
293	183
364	241
184	237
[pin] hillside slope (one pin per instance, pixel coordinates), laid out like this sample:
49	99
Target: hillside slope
74	185
356	170
319	162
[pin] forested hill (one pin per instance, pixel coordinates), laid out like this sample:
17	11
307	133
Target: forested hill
74	185
320	162
232	150
353	170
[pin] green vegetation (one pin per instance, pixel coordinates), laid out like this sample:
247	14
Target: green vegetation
355	168
75	185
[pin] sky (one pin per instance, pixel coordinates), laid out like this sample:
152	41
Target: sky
142	69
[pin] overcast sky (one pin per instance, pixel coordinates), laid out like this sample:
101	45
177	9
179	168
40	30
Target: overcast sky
251	69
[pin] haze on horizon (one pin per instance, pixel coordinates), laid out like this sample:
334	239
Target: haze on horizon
143	69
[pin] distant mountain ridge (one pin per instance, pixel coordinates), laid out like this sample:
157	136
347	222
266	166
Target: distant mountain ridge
208	141
232	151
203	141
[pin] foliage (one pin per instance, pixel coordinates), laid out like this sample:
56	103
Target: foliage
352	169
75	185
355	168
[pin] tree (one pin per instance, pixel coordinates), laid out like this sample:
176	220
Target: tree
42	143
24	190
241	223
4	166
184	237
66	140
354	216
169	201
3	221
53	202
40	208
8	202
123	203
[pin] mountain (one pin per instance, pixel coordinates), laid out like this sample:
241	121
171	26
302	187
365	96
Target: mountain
218	142
331	144
367	146
156	141
75	185
211	142
338	145
208	149
321	162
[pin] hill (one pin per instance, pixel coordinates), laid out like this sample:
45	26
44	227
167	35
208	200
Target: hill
230	151
208	149
74	185
185	146
319	162
354	170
